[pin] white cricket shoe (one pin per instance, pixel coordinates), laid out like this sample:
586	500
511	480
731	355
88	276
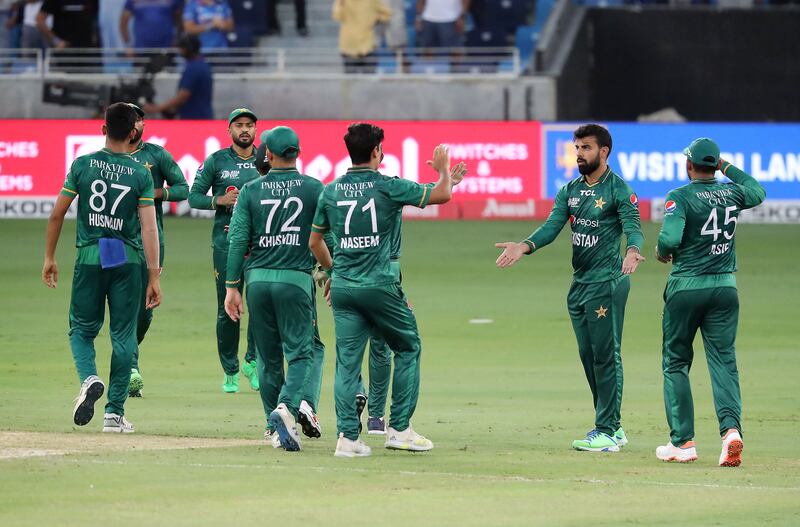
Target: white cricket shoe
92	389
686	453
349	448
285	427
407	439
732	446
116	424
272	438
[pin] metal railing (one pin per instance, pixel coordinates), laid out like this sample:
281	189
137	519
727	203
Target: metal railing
263	62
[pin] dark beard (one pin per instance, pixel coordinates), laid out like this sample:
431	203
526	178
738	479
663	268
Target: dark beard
242	144
137	138
587	168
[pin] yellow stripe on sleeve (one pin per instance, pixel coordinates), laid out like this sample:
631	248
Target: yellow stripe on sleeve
69	190
424	193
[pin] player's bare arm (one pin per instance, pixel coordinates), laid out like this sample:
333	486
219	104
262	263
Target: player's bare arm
54	225
316	243
147	217
442	192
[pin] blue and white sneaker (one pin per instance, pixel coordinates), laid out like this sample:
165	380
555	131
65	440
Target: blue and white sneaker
596	441
286	427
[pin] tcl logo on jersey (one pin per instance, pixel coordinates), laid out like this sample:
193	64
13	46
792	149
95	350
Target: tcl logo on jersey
670	206
587	192
246	165
634	200
583	222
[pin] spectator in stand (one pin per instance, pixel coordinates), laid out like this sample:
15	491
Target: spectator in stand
358	19
395	32
6	22
274	25
196	87
74	23
154	22
440	23
30	36
210	21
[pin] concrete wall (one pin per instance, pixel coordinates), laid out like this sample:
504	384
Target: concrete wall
332	98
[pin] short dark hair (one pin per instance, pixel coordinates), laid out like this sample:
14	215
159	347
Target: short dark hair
191	44
594	130
361	139
262	165
704	169
120	120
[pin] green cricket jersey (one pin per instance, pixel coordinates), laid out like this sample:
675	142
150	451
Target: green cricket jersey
598	215
363	210
272	219
700	223
163	169
111	188
221	171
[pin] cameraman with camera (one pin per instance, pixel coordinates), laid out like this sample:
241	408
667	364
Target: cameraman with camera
195	89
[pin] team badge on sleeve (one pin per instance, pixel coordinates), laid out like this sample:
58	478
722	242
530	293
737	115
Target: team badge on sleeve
634	200
670	206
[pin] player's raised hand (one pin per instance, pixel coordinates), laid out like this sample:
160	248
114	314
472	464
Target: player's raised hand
441	159
233	304
458	172
512	252
50	273
631	262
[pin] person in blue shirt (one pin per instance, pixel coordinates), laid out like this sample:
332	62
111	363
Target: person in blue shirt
195	90
153	22
209	20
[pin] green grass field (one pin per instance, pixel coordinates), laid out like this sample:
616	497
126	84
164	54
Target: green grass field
501	401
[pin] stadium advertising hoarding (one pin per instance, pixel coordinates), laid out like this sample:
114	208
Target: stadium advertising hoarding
503	159
650	158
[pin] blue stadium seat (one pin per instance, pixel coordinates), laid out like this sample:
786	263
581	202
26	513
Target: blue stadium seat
526	42
421	65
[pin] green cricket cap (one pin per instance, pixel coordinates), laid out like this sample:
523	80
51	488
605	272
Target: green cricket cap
263	137
283	141
703	151
238	112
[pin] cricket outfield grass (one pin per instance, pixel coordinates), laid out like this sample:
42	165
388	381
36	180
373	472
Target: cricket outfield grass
502	402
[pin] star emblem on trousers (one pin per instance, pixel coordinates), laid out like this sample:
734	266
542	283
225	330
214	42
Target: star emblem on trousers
601	312
599	203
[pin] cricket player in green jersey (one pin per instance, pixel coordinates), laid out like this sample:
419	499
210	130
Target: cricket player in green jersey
272	220
307	417
361	209
116	218
599	206
163	169
225	172
698	237
380	355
